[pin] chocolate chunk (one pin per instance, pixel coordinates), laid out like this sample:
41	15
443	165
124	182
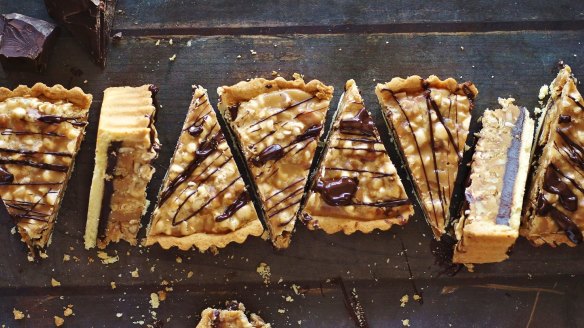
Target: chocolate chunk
89	21
25	42
271	153
361	124
337	192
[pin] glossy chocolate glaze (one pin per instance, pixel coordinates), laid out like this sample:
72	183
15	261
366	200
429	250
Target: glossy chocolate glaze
108	187
53	119
38	165
337	192
239	202
270	153
361	124
544	208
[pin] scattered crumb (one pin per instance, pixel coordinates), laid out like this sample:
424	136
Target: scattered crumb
117	36
264	271
172	58
461	48
55	283
106	259
417	297
59	321
157	43
189	43
297	76
274	73
537	110
406	322
281	311
253	52
135	273
13	230
170	42
68	311
190	274
119	315
18	315
113	284
543	91
66	257
43	255
295	288
404	300
154	301
178	259
289	299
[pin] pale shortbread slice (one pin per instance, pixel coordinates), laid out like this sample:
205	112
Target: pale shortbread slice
127	143
356	187
41	130
429	119
492	213
277	124
554	208
203	201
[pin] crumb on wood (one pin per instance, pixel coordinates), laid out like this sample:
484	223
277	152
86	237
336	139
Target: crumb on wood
179	259
113	284
190	274
543	91
135	273
66	257
157	43
264	271
172	58
106	258
119	314
18	315
68	311
55	283
297	76
161	295
154	301
404	300
59	321
406	322
253	52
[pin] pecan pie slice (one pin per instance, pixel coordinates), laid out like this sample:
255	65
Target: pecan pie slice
490	224
555	206
429	119
41	129
233	316
127	143
277	124
356	187
203	201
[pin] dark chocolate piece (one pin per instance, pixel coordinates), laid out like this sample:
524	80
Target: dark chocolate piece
361	124
90	22
234	207
271	153
25	42
338	191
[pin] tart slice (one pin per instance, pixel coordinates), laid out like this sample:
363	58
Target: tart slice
203	201
356	187
429	118
41	129
277	125
233	316
490	224
127	143
555	206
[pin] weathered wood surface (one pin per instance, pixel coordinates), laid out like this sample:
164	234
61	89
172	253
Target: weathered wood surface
505	63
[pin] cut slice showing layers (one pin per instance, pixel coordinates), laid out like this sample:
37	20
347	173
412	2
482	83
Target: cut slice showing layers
554	210
356	187
490	224
233	316
429	119
41	129
277	124
127	143
203	201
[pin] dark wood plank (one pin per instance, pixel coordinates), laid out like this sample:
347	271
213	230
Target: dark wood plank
501	64
213	17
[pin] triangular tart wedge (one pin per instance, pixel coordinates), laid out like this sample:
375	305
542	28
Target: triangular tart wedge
277	124
554	209
356	187
41	129
203	202
489	224
429	119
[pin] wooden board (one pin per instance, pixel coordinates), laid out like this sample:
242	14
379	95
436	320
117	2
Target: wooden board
499	60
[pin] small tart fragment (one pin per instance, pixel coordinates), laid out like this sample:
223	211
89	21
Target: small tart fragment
277	124
356	187
233	316
554	208
492	211
127	143
41	130
203	201
429	119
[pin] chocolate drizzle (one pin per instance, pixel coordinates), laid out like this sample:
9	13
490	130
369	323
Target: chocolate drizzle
337	192
233	111
565	119
108	187
554	184
310	133
511	170
205	149
54	119
6	178
544	208
361	124
240	202
34	152
39	165
270	153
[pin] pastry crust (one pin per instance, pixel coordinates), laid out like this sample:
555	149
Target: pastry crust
210	175
494	198
232	317
554	208
43	128
354	150
277	124
429	119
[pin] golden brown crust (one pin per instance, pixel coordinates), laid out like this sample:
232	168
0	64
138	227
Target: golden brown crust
57	92
429	119
232	317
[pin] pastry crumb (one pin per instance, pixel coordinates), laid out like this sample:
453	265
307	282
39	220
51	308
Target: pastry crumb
68	311
135	273
154	301
18	315
119	315
264	271
417	297
189	43
172	58
190	274
238	56
274	73
253	52
297	76
543	91
55	283
157	43
178	259
289	299
296	289
170	42
59	321
106	259
66	257
404	300
113	284
281	311
406	322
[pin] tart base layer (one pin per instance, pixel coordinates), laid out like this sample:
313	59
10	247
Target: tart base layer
356	187
203	201
554	209
277	124
490	224
429	120
41	130
127	143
